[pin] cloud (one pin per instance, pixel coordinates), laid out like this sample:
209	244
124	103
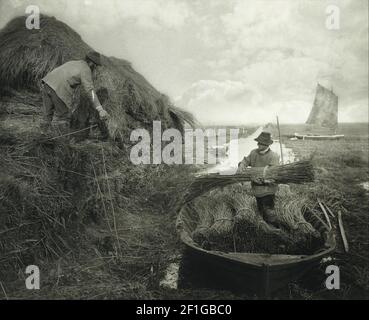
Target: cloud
107	14
235	102
271	52
282	49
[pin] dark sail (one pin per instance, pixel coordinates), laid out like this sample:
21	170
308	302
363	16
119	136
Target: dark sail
324	113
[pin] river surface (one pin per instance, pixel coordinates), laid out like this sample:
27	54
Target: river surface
229	163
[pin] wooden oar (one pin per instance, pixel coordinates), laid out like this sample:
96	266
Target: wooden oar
329	210
342	231
325	214
71	133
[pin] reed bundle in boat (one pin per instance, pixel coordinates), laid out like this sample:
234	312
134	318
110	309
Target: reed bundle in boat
204	212
223	220
253	233
235	224
290	210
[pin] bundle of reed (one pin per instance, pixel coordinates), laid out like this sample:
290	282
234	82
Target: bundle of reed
297	172
230	191
253	233
239	226
223	220
290	214
205	219
284	190
246	223
292	207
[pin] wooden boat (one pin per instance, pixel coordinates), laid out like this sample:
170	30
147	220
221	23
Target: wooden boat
319	137
258	273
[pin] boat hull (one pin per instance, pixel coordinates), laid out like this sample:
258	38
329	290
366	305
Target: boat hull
261	274
319	137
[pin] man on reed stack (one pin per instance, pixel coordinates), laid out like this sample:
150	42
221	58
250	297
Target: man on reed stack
263	190
59	86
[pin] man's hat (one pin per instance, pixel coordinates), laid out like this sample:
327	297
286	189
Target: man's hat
94	57
264	138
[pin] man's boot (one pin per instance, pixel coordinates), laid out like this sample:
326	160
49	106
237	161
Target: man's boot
61	127
104	131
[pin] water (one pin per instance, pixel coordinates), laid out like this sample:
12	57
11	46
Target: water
229	163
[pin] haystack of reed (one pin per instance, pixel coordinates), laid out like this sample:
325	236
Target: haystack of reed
178	115
28	55
297	172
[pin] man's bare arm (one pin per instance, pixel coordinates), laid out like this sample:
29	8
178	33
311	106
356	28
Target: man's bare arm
97	105
87	83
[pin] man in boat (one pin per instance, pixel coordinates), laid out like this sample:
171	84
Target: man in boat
263	190
58	88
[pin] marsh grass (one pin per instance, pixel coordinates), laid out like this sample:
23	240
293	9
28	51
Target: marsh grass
345	165
96	225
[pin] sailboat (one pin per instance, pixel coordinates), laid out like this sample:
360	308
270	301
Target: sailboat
322	122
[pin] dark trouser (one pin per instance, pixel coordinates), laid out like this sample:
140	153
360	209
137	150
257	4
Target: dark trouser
265	203
53	105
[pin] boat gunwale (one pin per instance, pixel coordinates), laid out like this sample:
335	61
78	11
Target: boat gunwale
289	261
318	136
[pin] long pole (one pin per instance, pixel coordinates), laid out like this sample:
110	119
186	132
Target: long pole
280	140
70	133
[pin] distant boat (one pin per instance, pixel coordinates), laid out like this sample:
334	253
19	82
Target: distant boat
319	137
322	122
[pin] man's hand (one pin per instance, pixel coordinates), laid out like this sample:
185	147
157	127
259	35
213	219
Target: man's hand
102	113
258	180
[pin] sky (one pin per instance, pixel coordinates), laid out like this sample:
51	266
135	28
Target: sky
231	61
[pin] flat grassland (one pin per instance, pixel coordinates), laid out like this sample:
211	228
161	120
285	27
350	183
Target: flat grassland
342	167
